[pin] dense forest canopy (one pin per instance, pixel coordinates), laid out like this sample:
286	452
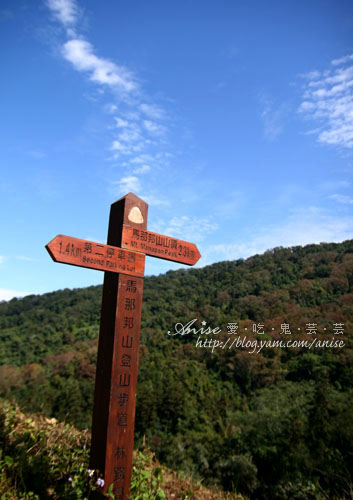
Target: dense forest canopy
272	424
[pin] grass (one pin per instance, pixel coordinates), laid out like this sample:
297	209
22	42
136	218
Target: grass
41	458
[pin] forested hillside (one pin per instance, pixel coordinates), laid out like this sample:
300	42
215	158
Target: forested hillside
273	424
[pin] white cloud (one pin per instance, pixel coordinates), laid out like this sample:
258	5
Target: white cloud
129	136
190	227
328	99
120	123
117	146
342	198
66	11
110	108
142	170
342	60
136	119
153	127
273	119
2	259
334	184
128	184
152	111
129	139
125	148
311	75
155	201
143	158
7	294
102	71
303	227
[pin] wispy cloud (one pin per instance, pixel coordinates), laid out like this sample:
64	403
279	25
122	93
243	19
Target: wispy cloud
110	108
153	127
127	184
152	111
143	158
130	135
2	259
191	227
139	125
342	60
81	55
66	11
130	139
342	198
328	99
155	201
118	146
142	170
120	123
273	118
303	227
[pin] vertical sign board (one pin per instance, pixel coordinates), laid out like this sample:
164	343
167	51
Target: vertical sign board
117	361
123	260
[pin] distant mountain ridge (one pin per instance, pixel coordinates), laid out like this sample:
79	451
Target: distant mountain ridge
275	424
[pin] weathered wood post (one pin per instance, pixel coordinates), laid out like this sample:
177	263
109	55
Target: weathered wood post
117	362
123	260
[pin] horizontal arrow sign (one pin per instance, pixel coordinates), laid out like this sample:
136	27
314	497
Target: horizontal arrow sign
85	253
158	245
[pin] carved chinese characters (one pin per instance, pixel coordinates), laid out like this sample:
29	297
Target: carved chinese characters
123	260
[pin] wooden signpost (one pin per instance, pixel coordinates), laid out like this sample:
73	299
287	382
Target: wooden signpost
85	253
123	260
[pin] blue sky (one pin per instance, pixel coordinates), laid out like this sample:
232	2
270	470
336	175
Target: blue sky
233	120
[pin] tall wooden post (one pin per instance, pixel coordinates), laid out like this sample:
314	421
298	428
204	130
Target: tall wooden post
117	363
123	260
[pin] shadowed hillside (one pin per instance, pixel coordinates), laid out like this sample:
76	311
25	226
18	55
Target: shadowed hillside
270	423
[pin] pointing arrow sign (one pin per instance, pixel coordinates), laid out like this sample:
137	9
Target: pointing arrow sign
158	245
83	253
117	362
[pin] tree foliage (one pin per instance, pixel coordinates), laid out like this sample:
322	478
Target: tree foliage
272	425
